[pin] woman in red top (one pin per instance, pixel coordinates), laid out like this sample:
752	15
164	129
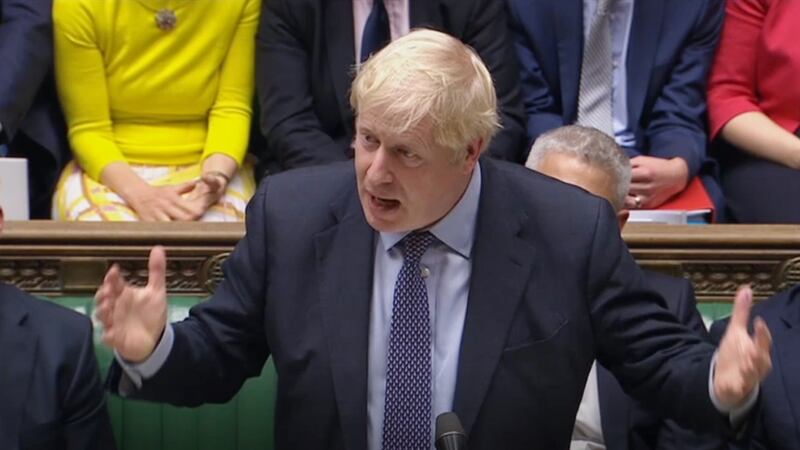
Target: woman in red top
754	110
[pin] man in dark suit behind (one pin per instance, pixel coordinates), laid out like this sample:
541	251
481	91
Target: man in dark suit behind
657	61
607	417
307	50
31	124
776	421
51	396
419	280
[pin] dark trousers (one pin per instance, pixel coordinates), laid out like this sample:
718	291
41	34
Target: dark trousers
757	190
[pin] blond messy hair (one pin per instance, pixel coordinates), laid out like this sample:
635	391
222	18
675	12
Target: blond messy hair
429	74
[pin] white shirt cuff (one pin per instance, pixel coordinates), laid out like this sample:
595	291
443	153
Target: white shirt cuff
735	415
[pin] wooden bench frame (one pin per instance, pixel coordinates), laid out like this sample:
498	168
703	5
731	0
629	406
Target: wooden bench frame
57	258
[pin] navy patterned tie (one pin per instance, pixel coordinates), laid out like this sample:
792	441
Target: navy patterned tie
407	412
376	30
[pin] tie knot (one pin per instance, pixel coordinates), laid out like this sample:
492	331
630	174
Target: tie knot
416	243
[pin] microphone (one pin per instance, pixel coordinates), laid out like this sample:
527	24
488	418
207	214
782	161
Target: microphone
449	432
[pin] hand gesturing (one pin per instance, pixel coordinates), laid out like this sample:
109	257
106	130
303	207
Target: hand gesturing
742	360
134	318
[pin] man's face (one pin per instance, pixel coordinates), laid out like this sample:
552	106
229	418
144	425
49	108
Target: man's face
406	181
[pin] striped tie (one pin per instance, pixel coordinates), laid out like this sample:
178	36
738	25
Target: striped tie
594	95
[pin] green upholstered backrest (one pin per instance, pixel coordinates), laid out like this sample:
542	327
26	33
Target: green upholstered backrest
712	311
244	423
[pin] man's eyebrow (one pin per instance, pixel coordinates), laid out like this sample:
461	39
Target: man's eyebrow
364	128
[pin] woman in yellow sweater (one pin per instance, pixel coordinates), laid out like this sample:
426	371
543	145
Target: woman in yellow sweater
157	96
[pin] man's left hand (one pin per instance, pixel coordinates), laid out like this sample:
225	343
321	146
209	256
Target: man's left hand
742	360
655	180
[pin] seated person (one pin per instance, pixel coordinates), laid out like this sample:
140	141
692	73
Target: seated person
31	125
607	417
51	394
157	98
776	425
753	98
636	73
307	51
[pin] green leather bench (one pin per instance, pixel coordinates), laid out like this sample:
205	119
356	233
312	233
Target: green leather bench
244	423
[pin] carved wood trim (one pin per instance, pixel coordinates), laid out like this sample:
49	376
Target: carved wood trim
57	258
719	258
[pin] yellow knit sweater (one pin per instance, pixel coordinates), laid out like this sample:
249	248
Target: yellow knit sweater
136	93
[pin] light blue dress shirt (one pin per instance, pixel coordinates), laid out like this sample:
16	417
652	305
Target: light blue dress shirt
446	266
621	18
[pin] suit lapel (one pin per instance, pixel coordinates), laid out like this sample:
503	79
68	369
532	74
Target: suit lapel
614	415
18	344
569	36
345	254
790	363
340	45
642	43
501	269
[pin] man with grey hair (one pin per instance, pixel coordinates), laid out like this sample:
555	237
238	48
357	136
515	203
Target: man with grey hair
422	279
607	417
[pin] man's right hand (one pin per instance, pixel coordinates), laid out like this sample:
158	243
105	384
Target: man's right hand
134	318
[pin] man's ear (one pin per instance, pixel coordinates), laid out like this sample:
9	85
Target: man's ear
622	217
474	151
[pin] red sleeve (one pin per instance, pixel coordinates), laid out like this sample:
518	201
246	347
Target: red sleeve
732	85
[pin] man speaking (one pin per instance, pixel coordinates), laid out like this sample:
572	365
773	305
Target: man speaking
421	279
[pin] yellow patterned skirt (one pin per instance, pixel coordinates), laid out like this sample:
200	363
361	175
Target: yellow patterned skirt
79	197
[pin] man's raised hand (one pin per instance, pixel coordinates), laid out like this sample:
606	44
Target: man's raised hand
134	318
742	360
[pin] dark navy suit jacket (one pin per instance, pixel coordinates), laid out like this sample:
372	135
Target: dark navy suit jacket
776	425
29	112
305	63
630	425
552	287
671	46
51	396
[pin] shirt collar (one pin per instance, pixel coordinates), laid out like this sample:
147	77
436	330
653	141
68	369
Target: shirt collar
457	228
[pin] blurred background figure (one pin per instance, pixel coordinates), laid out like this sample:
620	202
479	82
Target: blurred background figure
157	96
307	50
31	125
51	394
634	70
776	422
753	99
607	417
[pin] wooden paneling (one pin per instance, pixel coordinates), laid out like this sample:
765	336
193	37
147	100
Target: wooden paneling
718	258
56	258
